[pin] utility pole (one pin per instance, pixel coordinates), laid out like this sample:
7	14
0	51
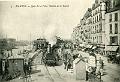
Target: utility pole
30	42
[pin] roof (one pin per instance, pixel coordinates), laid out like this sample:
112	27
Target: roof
16	57
75	52
82	45
111	48
31	55
77	60
94	47
114	9
88	13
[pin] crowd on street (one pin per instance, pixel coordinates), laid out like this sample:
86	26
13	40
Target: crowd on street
94	65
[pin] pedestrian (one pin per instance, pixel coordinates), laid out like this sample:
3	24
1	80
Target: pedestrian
65	63
25	69
108	60
118	58
100	66
65	60
101	62
87	70
29	68
69	64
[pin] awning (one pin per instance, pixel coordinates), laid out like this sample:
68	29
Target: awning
87	46
82	45
90	46
111	48
16	57
94	47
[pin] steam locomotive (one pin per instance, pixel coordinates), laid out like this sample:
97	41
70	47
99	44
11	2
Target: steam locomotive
52	55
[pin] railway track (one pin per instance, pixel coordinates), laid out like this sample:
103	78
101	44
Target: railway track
54	75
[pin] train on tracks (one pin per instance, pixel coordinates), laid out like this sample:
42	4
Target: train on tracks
52	54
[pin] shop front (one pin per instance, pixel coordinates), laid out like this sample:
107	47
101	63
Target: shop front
111	52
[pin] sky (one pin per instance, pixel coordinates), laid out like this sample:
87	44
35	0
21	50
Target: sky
26	23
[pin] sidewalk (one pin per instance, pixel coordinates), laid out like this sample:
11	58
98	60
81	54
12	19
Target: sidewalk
67	75
112	71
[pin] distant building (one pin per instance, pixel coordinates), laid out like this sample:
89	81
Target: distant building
85	27
91	30
75	35
40	44
6	46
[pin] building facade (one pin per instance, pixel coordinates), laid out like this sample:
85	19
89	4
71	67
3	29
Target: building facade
100	25
112	29
91	29
76	36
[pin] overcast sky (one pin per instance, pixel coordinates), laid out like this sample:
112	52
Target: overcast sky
41	21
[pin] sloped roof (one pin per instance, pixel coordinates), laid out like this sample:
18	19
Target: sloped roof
16	57
77	60
114	9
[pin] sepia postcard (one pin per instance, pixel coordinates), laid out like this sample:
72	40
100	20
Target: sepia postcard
60	41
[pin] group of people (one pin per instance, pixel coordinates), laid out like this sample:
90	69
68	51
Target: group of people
94	66
68	64
114	58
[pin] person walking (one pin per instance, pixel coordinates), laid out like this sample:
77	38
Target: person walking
101	62
100	66
87	71
65	60
69	64
29	68
25	69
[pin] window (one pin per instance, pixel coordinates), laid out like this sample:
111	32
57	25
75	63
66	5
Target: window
116	16
97	19
110	28
114	40
95	29
100	39
97	39
100	26
110	18
116	28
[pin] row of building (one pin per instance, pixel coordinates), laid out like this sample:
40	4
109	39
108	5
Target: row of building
100	27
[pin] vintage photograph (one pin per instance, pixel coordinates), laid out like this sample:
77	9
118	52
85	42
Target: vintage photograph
60	41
